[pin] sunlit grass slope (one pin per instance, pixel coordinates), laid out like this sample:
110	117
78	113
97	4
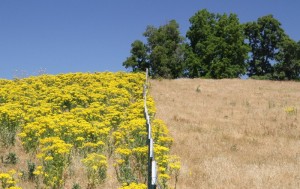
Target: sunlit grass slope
233	133
79	130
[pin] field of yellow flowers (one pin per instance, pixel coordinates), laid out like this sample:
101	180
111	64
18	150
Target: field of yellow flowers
94	117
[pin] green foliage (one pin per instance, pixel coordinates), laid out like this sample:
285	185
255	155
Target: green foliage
11	158
76	186
263	77
138	59
288	66
264	38
217	48
31	169
163	53
165	47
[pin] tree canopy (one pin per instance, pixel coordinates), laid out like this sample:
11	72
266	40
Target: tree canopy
162	54
138	59
288	57
264	38
217	46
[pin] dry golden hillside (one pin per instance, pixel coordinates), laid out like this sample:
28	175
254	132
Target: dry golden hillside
232	133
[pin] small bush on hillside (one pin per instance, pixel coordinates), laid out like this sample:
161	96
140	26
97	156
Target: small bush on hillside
11	158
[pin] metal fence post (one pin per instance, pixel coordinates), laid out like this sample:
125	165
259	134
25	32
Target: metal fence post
152	172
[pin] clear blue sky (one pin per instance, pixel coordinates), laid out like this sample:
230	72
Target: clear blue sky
62	36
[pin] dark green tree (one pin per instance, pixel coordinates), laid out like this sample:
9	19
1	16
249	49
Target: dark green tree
217	48
138	60
163	53
264	38
288	57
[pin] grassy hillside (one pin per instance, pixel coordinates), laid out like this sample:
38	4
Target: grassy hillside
79	131
233	133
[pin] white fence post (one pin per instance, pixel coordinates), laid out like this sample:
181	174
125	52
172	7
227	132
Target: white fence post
152	172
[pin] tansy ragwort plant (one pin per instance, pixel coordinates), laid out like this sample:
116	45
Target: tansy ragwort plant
96	165
94	116
8	181
55	157
10	119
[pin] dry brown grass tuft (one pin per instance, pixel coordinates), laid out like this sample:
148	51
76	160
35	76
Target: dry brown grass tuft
233	133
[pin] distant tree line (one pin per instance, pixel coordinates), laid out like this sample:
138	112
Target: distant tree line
217	46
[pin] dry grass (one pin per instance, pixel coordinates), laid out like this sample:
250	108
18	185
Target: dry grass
233	133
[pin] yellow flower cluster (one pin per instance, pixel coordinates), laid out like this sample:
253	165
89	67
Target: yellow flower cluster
134	185
8	181
96	165
290	110
10	117
90	115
